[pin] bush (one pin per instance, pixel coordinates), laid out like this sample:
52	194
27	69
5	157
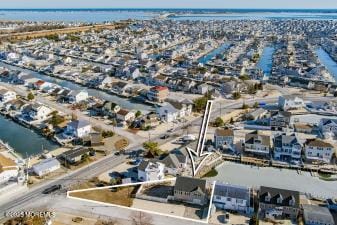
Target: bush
218	122
236	95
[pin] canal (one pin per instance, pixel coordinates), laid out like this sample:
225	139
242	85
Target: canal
123	102
208	57
327	61
23	140
266	61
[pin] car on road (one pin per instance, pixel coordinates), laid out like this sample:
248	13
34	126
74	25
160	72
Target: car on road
165	136
52	189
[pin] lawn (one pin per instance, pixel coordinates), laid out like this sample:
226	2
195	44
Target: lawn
120	196
211	173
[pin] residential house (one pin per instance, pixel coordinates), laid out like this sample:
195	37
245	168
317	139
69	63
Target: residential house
173	110
151	171
233	197
224	138
279	203
78	128
8	169
317	215
110	108
74	155
36	112
303	128
125	115
279	120
203	88
158	93
318	150
288	102
6	96
287	147
190	190
175	164
328	126
46	166
78	96
257	143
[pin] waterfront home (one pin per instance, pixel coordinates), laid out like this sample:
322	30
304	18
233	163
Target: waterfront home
190	190
77	129
15	105
110	109
6	96
233	197
174	163
289	102
124	115
318	150
78	96
224	138
257	143
173	110
46	166
278	203
279	120
8	169
119	87
287	147
151	171
317	215
257	114
74	155
36	112
327	125
157	93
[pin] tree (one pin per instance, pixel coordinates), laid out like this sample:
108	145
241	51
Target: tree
218	122
256	105
152	148
244	77
200	103
254	220
231	121
236	95
244	106
138	113
30	96
141	218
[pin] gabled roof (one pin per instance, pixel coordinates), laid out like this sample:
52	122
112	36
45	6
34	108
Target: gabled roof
77	124
317	214
232	191
318	143
224	132
275	193
189	184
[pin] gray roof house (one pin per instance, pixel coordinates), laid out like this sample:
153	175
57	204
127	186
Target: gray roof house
233	197
314	215
46	166
190	190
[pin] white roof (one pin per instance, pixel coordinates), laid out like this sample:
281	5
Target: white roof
46	164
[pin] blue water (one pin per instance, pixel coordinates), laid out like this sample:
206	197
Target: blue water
101	15
206	58
123	102
23	140
266	60
327	61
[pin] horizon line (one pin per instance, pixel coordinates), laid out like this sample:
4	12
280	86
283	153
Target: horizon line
156	8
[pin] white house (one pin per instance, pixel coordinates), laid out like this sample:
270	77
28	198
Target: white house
6	96
287	102
78	96
233	197
78	128
175	164
8	169
328	126
287	147
318	150
173	110
125	115
150	171
38	112
46	166
223	138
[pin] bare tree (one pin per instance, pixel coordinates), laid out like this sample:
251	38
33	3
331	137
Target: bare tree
141	218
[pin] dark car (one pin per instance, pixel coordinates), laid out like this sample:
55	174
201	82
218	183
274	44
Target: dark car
52	189
165	136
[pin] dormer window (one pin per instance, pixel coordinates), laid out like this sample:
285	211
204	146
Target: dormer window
292	201
267	197
279	199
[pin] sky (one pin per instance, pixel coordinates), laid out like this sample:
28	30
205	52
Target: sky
270	4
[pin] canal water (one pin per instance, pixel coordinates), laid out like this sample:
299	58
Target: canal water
327	61
123	102
208	57
266	61
23	140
